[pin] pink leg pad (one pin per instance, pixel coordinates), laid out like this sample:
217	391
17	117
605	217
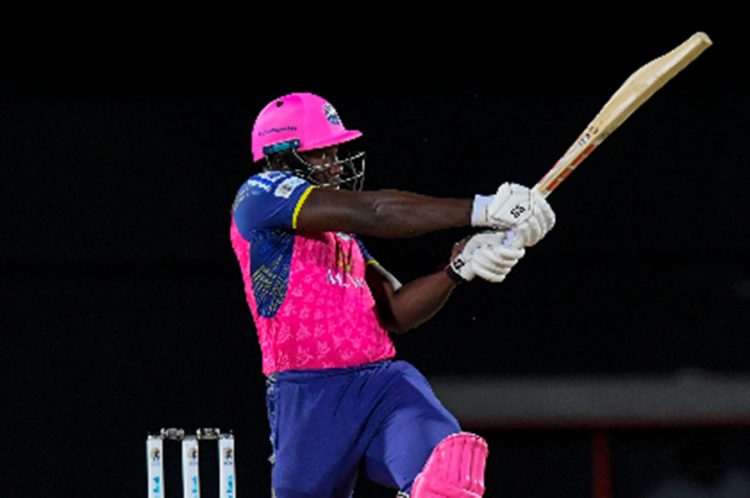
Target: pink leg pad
455	469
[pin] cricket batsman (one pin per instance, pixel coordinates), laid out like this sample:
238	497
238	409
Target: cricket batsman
339	402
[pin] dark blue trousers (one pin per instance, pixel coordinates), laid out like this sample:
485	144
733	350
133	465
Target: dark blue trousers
381	419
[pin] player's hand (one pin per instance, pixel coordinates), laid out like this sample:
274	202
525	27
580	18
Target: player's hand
483	255
538	224
515	207
508	208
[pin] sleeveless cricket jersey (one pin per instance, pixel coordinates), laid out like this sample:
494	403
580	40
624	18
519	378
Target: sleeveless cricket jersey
306	290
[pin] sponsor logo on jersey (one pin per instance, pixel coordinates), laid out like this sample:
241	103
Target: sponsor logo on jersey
345	280
271	176
341	275
285	188
256	186
260	183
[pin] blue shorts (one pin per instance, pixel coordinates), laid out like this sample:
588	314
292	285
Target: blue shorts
328	425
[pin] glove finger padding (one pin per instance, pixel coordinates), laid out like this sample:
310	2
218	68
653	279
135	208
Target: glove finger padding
540	222
542	211
494	278
483	239
545	211
488	271
531	232
510	255
493	263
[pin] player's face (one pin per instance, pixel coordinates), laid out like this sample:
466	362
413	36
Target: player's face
321	158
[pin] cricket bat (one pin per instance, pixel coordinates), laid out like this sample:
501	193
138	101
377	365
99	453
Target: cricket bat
636	90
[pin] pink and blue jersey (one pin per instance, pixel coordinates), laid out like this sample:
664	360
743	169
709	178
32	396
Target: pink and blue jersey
306	290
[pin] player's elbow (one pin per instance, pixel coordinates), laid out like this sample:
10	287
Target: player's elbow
399	326
392	323
382	210
390	216
395	328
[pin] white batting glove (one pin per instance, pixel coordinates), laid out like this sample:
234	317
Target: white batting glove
508	208
484	255
515	207
537	225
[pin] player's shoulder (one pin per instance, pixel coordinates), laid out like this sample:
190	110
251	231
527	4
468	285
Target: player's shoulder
267	181
279	184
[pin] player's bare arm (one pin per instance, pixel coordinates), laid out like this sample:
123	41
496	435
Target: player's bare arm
381	213
399	214
412	304
403	308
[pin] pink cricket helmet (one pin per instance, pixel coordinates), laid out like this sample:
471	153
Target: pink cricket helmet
298	121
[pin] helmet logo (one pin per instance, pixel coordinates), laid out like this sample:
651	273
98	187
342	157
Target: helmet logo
331	115
273	129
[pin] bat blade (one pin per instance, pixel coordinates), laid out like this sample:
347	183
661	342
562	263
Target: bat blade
638	88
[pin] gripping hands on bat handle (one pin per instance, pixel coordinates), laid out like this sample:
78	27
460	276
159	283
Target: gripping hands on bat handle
523	213
485	256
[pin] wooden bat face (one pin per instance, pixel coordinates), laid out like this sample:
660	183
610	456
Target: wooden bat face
638	88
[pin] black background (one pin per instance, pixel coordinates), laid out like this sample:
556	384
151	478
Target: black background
125	135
